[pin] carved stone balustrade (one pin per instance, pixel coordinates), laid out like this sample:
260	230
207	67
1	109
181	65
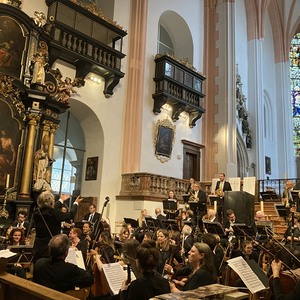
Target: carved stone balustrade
153	187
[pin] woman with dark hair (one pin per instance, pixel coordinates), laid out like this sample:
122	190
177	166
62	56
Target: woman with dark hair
75	235
105	247
150	284
16	237
203	269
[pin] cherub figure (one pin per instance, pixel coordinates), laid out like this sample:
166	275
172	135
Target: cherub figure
39	19
65	89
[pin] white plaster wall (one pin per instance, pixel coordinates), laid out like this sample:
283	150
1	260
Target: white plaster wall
269	81
30	6
194	19
241	50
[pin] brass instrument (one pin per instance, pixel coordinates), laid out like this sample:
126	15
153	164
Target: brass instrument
219	192
193	198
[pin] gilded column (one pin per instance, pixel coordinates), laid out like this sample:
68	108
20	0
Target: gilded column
25	182
53	129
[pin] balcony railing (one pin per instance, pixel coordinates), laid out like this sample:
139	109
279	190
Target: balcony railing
178	84
154	187
83	37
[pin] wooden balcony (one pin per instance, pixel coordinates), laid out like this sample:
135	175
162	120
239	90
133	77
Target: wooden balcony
83	37
178	84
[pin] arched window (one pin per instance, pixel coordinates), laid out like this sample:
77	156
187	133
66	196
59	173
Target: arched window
165	44
295	89
174	36
68	156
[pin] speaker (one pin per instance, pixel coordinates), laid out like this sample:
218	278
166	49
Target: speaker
242	203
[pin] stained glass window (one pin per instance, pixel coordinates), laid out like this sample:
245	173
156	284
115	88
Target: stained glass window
295	89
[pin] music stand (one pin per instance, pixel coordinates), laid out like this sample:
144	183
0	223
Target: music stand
185	198
282	210
269	196
24	256
264	229
214	227
170	224
170	205
152	224
134	223
241	230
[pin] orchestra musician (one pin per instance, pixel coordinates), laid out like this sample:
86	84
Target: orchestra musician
105	248
190	186
21	221
77	242
150	284
278	291
92	216
16	238
222	185
171	206
167	251
203	269
88	234
197	203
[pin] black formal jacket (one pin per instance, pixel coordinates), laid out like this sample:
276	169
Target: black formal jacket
95	217
151	284
26	225
201	205
226	186
60	275
53	218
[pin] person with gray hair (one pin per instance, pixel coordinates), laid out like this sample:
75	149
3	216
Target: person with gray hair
57	274
47	220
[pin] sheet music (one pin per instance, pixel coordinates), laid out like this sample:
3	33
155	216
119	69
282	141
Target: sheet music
249	185
6	253
75	257
251	280
235	183
213	184
115	276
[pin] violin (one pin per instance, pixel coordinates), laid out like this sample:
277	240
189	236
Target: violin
287	278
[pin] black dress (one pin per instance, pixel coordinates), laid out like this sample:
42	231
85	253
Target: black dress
151	284
200	278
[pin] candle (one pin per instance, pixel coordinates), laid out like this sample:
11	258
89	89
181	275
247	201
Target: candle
215	205
7	181
262	205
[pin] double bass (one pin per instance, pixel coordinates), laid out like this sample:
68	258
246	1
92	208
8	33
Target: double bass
100	286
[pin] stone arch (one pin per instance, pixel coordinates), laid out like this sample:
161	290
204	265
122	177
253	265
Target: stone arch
93	135
180	34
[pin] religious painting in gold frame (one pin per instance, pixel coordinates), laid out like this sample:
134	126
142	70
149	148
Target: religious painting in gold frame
10	141
164	137
12	46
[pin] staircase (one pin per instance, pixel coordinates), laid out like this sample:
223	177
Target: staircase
279	225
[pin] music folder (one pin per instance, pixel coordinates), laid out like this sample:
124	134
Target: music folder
250	273
134	223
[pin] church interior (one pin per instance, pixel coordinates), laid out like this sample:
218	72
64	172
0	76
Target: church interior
128	99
